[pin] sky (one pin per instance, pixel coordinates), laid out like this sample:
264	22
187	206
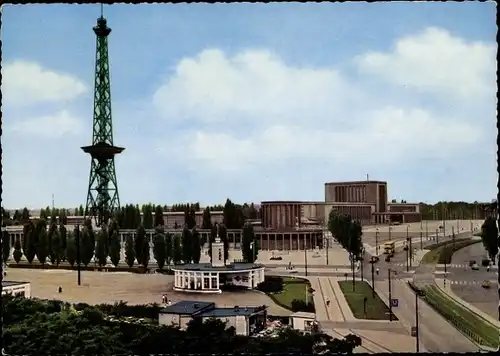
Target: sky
253	102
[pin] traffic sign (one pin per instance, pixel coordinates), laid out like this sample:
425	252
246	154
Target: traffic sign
414	331
394	302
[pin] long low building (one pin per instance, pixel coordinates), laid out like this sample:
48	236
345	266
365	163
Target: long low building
246	320
287	239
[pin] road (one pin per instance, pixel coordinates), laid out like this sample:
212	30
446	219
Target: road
466	283
436	334
427	228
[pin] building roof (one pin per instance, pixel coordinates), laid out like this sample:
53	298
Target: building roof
208	310
13	283
227	312
304	315
187	307
356	182
206	267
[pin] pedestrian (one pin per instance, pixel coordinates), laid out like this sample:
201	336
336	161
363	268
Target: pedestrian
487	268
377	270
327	302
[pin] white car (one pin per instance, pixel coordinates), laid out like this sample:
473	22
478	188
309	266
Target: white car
475	267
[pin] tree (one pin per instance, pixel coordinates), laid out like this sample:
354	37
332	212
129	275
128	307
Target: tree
196	246
26	229
148	216
489	237
101	247
176	249
43	248
207	220
30	250
140	236
187	245
87	247
71	252
17	254
56	248
169	249
159	216
26	215
63	234
146	248
5	246
159	247
246	242
115	248
129	250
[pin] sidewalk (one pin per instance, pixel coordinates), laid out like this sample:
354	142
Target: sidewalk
447	290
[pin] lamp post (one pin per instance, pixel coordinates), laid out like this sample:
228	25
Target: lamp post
437	236
418	293
426	231
78	261
373	279
453	237
407	257
376	241
361	262
421	241
389	272
305	253
390	230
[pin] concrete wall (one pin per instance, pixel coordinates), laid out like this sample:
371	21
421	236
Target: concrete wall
241	325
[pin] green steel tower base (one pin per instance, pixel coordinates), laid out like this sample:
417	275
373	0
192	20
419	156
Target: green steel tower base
102	197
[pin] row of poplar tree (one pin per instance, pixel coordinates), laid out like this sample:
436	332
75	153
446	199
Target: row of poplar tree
57	244
129	216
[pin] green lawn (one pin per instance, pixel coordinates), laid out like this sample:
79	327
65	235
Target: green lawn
470	324
293	288
375	307
442	252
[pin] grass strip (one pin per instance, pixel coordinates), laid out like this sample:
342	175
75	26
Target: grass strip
463	319
376	309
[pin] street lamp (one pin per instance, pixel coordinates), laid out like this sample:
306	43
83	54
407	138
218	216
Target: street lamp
390	230
78	261
389	273
373	279
407	257
418	293
376	241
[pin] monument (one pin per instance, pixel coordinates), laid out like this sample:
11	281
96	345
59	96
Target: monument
211	277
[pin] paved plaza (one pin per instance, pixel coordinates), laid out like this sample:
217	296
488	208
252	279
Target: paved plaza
111	287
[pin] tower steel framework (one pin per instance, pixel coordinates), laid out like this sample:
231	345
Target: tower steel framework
102	196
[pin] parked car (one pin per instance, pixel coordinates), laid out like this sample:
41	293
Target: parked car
486	284
485	262
472	263
388	258
475	267
374	259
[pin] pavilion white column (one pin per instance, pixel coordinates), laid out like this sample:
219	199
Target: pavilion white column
210	281
217	280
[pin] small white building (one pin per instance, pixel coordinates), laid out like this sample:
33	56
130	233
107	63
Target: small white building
246	320
16	288
209	277
303	321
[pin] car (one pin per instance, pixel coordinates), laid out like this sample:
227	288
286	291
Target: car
472	263
485	262
374	259
475	267
388	258
486	284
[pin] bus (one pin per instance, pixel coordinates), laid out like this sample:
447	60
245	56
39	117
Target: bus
389	247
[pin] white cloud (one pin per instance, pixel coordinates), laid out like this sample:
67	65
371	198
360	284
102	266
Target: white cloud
438	61
25	83
252	109
252	86
49	126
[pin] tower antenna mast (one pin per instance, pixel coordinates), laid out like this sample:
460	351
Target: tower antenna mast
102	196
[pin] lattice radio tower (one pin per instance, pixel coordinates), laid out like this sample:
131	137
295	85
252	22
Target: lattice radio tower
102	196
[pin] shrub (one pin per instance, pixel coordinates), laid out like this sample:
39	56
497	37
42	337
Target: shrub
271	284
299	305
